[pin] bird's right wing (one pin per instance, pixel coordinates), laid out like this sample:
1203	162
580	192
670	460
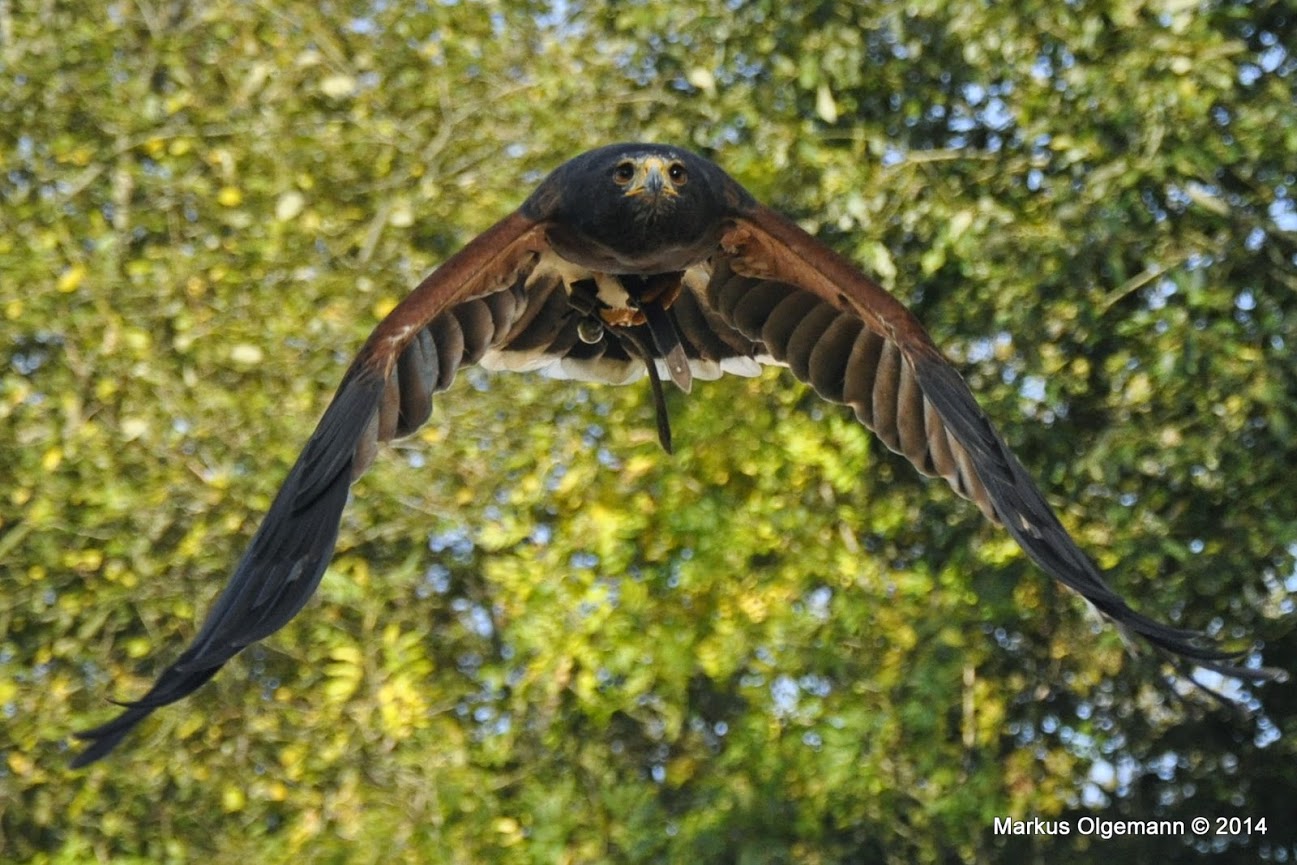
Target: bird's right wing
472	301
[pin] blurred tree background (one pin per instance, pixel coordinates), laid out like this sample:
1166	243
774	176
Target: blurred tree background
542	639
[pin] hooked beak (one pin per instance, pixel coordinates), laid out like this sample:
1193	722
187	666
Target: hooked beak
650	179
654	182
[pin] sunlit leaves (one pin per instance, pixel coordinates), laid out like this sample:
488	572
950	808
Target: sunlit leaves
543	639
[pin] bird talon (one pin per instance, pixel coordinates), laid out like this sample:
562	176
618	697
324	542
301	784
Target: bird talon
623	317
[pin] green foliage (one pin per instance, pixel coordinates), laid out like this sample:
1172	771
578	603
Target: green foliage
542	639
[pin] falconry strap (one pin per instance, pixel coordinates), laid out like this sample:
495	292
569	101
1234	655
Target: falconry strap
650	298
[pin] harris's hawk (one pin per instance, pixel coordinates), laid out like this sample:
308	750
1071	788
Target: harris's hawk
626	260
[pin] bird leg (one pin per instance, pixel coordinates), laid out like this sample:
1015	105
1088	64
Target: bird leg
647	301
584	300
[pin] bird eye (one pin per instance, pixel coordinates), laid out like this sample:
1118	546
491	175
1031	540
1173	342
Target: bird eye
677	174
624	173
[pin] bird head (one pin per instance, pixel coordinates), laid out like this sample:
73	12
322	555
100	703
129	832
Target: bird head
655	181
636	208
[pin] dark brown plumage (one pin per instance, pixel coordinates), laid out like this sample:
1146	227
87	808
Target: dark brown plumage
628	259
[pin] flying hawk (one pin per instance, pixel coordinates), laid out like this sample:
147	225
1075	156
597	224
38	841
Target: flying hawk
628	260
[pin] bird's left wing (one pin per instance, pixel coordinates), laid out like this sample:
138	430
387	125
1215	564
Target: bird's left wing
471	302
849	338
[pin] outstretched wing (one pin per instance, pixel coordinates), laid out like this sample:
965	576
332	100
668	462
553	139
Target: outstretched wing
473	301
856	344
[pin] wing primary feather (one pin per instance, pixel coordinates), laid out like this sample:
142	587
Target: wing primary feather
448	337
787	314
802	341
386	392
282	565
861	373
477	326
700	327
886	395
903	388
1032	523
827	363
941	459
417	370
910	426
750	309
